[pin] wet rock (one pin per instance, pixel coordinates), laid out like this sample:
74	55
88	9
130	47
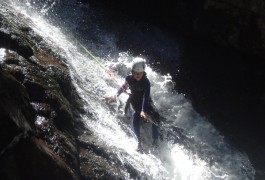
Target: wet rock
25	154
17	116
43	107
100	162
32	158
12	38
41	112
37	121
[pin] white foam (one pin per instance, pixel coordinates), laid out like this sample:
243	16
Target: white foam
2	54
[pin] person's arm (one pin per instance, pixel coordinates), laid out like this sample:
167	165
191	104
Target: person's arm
125	86
121	90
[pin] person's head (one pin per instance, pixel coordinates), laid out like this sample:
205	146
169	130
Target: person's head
138	68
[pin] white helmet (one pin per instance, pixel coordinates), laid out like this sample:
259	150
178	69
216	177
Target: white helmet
138	64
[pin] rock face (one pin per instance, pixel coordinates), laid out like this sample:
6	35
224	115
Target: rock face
39	112
228	23
221	59
37	140
36	123
236	24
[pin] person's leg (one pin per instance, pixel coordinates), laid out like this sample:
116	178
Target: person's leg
155	117
155	134
136	124
136	121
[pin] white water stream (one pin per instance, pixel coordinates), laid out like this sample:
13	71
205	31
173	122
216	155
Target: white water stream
201	154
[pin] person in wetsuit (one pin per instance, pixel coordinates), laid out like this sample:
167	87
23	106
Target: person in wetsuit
139	99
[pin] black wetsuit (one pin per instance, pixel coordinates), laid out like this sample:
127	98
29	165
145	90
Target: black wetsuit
140	101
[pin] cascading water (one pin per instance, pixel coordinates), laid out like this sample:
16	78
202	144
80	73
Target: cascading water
191	147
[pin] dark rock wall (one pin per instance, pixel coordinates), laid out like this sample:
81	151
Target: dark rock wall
42	134
36	124
37	121
221	60
230	23
31	146
236	24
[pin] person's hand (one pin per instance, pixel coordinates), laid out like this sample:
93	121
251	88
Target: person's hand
144	115
110	99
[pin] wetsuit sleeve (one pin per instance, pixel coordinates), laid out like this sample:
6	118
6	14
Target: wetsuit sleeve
123	87
146	96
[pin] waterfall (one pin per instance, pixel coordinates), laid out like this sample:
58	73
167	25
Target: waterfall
191	148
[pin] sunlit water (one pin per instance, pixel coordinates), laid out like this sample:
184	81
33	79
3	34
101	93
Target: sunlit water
200	151
2	54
